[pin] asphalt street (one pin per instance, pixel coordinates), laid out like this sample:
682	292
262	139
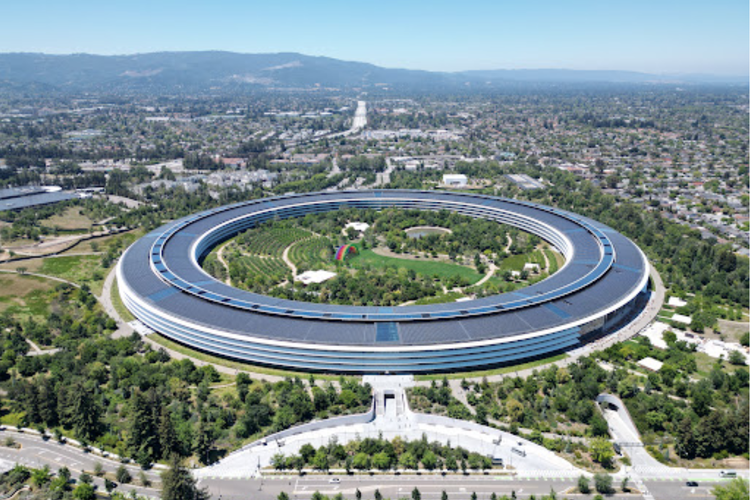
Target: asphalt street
36	453
431	487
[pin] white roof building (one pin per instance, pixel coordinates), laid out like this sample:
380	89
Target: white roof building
651	364
319	276
676	302
682	319
358	226
455	180
531	267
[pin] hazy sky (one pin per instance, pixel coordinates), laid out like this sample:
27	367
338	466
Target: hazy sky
660	36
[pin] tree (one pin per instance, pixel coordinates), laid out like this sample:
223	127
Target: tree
84	413
204	440
143	478
84	491
178	484
601	451
429	460
282	496
109	485
307	451
168	441
297	463
736	358
515	410
377	495
599	426
685	444
40	477
361	461
736	490
381	461
278	461
444	495
624	484
143	439
415	494
123	475
603	483
320	460
702	398
450	463
408	461
583	484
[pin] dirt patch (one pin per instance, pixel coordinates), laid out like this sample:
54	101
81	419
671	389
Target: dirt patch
71	219
732	330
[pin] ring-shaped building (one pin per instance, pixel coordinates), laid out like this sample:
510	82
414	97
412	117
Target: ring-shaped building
602	286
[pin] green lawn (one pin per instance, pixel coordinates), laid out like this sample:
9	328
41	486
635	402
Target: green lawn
440	299
515	262
425	268
123	311
78	269
70	220
25	296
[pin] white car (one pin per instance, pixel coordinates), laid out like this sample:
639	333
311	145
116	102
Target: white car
335	480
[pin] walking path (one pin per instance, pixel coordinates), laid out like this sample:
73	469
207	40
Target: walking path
510	242
490	271
38	275
220	256
287	261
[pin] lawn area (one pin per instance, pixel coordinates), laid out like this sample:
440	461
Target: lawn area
25	295
69	220
705	363
118	305
79	269
441	269
515	262
496	371
440	299
102	244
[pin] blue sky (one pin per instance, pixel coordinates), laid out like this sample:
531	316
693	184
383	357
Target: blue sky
659	36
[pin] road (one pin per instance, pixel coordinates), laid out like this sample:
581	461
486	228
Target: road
383	178
335	169
36	453
431	487
360	117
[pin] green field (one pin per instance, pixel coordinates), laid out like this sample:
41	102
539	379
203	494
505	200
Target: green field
70	220
515	262
443	298
117	303
440	269
25	296
270	241
312	253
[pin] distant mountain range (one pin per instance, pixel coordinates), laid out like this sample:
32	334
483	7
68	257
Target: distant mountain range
227	71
